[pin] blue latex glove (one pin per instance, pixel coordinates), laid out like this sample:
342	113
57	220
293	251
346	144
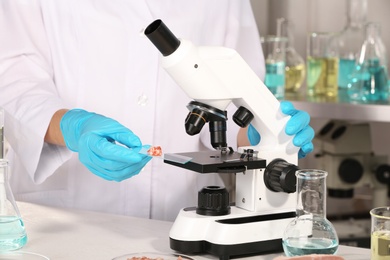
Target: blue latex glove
93	136
298	125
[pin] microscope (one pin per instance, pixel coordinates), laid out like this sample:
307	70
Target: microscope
215	77
345	151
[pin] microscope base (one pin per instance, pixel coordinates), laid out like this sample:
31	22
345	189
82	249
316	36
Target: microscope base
241	233
224	252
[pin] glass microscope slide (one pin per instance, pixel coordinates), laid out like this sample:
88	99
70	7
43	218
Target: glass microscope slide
156	152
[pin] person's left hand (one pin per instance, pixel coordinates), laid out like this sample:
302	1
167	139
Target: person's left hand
297	125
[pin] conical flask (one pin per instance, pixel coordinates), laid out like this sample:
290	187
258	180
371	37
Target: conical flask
310	232
12	232
369	80
350	40
295	65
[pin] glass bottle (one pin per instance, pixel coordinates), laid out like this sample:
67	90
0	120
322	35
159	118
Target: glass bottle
350	40
310	232
295	65
369	80
322	66
274	49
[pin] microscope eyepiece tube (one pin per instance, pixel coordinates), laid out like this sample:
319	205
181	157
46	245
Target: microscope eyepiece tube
164	40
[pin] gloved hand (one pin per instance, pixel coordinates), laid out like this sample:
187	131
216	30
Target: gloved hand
297	125
93	136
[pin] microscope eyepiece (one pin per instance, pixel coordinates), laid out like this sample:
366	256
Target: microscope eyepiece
164	40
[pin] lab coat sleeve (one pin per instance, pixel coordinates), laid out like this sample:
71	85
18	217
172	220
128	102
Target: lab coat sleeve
27	90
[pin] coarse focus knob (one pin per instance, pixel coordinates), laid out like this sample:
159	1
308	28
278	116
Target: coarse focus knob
279	176
213	201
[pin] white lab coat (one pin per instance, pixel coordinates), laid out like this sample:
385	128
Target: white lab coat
91	54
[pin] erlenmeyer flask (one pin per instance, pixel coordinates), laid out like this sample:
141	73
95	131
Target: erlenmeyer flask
12	232
295	65
350	40
310	232
369	80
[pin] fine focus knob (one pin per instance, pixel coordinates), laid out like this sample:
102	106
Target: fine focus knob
242	117
213	201
279	176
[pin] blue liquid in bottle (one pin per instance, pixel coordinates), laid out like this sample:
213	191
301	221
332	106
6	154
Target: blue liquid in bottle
346	69
275	78
375	87
370	82
12	233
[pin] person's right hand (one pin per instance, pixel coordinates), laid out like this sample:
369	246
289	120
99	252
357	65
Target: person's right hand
95	138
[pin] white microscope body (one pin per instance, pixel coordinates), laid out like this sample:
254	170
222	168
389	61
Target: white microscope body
217	76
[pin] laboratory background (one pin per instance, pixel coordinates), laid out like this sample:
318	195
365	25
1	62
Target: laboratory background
363	149
330	59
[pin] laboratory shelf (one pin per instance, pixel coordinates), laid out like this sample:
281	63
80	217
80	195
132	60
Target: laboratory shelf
344	111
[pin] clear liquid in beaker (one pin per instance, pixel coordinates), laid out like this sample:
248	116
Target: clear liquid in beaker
308	246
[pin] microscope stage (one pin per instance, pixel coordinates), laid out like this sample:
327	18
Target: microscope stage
216	161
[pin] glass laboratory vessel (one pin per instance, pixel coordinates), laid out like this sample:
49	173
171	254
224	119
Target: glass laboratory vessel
12	232
380	233
295	65
310	232
274	49
322	66
369	80
350	40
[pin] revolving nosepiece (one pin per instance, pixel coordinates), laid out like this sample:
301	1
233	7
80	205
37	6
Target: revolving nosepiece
199	115
164	40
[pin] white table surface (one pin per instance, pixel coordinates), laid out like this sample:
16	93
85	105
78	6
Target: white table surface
67	234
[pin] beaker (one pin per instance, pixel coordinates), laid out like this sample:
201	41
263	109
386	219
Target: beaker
380	233
369	80
295	64
12	232
310	232
275	64
322	66
350	42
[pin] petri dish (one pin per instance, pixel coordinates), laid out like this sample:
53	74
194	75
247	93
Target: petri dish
153	256
20	255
